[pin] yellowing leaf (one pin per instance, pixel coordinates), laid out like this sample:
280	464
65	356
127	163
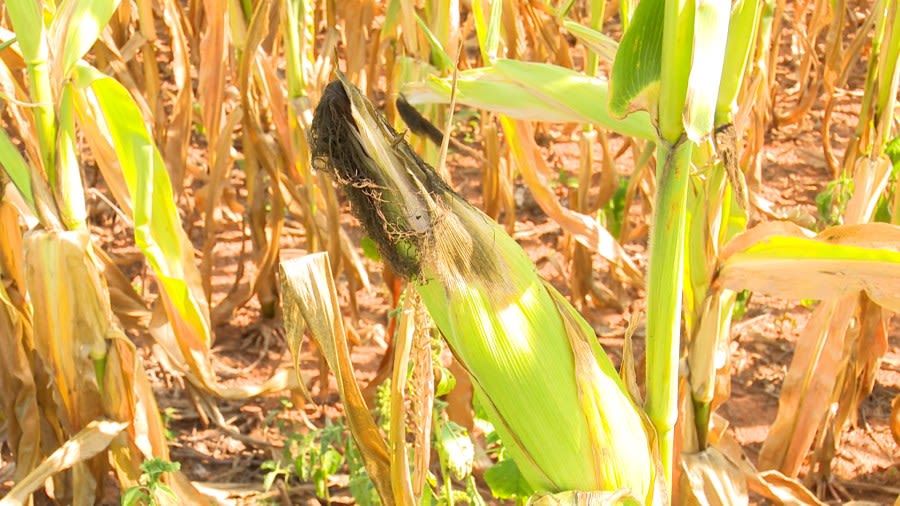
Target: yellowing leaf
838	261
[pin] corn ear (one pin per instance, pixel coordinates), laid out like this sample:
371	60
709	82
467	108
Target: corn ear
548	387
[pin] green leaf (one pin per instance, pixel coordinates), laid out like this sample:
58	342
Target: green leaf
165	491
488	33
16	168
370	249
320	480
445	384
331	461
29	27
532	91
505	481
439	56
363	491
68	184
636	70
154	468
133	496
892	150
742	30
28	23
475	498
269	480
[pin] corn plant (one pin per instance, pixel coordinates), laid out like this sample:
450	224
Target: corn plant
77	339
851	327
692	92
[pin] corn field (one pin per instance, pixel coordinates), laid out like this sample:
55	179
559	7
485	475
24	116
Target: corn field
442	252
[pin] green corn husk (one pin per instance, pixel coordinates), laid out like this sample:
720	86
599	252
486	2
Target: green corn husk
549	389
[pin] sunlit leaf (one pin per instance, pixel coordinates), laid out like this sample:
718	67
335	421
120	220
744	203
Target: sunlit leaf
75	28
532	91
838	261
710	39
157	225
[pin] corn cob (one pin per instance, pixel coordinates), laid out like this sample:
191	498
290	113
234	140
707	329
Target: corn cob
550	390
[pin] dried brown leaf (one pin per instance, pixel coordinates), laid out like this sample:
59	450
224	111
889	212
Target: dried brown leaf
310	300
178	130
90	441
710	478
585	229
770	484
895	419
18	397
808	385
399	455
212	70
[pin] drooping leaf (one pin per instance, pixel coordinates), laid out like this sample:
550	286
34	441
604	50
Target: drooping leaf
158	231
310	301
532	91
157	225
838	261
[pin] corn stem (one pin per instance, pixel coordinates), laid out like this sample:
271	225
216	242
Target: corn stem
666	283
